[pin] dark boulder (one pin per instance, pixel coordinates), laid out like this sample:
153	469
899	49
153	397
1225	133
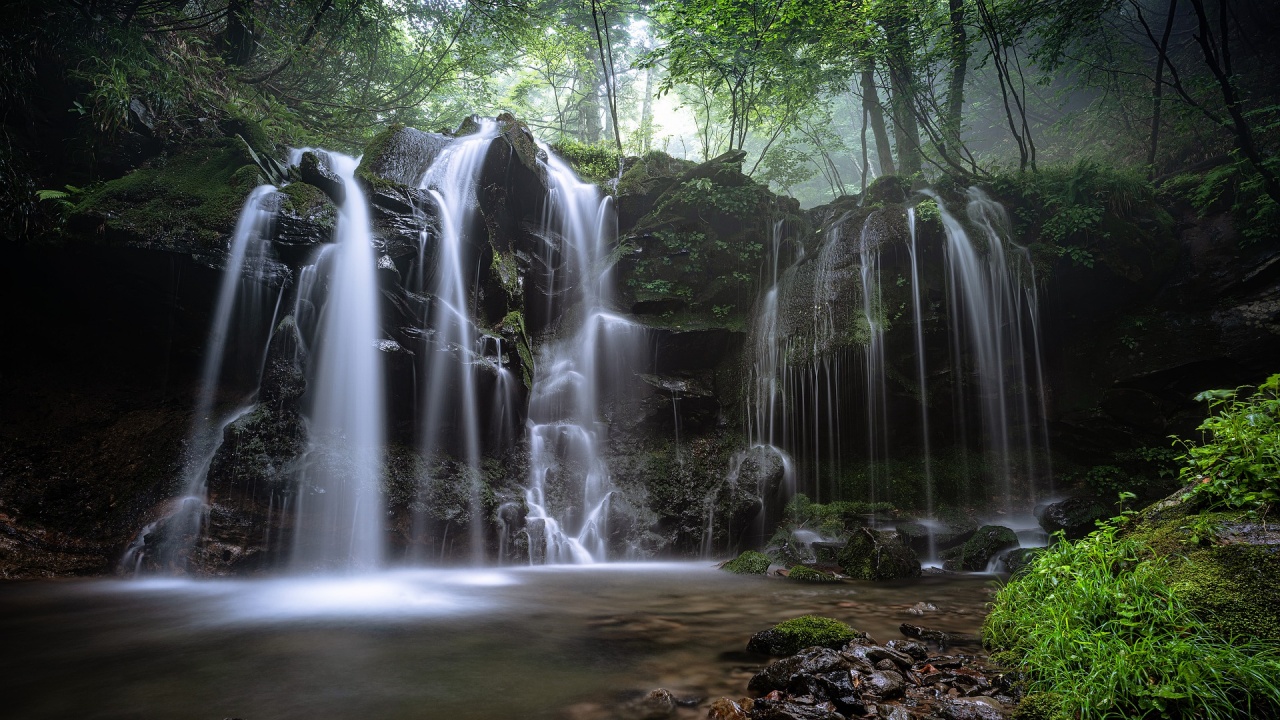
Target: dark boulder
314	169
1075	517
780	674
976	554
877	555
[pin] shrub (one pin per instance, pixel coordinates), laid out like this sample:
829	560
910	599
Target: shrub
1237	462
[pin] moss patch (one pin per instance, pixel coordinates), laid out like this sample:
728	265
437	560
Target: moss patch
749	562
187	202
796	634
804	573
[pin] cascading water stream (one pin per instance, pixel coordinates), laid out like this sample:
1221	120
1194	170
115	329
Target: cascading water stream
339	508
987	311
452	180
593	349
918	316
236	328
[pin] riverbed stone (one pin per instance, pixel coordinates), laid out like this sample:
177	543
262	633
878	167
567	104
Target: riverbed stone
978	551
792	635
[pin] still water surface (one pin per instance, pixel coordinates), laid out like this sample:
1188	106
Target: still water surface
550	642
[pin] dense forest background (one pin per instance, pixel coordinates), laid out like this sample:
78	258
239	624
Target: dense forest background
822	95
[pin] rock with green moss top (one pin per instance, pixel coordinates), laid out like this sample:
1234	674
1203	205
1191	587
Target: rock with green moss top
976	554
887	189
804	573
305	218
796	634
187	201
877	555
1020	559
400	155
749	562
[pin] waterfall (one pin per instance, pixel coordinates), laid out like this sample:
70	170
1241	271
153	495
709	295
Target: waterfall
918	315
991	302
569	485
452	180
237	337
339	506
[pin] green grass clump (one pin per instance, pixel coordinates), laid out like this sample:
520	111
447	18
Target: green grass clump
749	562
1096	623
1237	463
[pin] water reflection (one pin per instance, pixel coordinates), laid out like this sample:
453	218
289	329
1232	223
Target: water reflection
531	642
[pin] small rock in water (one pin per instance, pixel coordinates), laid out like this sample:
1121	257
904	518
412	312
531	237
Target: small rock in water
894	712
911	648
657	704
921	608
726	709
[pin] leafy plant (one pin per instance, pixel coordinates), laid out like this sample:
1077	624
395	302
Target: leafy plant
1094	623
1237	461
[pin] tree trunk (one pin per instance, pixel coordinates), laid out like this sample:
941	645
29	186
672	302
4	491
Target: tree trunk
1158	92
875	112
959	68
906	133
236	42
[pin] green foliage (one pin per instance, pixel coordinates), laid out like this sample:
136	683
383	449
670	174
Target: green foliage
1095	622
1235	187
1040	706
1237	462
596	162
833	517
749	562
734	200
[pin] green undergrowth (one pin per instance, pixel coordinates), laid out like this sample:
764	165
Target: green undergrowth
595	162
1097	623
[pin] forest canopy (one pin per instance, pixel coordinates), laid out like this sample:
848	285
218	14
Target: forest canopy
822	95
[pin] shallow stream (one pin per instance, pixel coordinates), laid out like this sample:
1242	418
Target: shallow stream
574	642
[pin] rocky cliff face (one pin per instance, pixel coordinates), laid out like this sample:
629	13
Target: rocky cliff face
108	321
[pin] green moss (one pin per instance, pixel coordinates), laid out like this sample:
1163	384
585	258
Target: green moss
796	634
749	562
187	201
979	549
593	162
1040	706
805	573
1233	588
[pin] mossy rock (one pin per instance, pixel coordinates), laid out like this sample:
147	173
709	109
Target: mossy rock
979	550
749	562
1021	558
877	555
399	155
804	573
796	634
188	201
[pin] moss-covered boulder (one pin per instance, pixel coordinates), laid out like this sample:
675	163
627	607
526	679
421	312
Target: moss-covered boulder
796	634
877	555
804	573
749	562
187	201
1019	559
400	155
978	551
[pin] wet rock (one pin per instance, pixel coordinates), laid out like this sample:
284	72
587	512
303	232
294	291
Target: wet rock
911	648
305	219
806	631
658	704
977	552
885	685
780	674
1019	558
789	710
804	573
894	712
1075	517
401	155
726	709
970	709
877	555
314	169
